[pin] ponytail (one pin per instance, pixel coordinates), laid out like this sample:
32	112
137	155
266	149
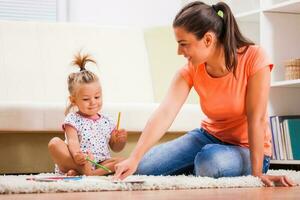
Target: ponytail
232	39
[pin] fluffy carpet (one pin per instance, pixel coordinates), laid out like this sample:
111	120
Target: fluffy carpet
18	184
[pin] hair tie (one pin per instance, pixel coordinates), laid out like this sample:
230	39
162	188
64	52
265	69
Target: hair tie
82	69
219	12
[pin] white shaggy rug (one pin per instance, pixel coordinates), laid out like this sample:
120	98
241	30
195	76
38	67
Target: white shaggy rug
18	184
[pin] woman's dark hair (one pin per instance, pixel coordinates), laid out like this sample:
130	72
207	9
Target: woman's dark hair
198	18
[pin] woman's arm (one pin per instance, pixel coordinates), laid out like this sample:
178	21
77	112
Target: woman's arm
256	107
256	102
157	125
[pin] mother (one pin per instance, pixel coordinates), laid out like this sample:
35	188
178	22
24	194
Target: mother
232	78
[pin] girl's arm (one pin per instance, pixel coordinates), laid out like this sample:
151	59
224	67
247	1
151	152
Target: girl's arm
73	145
256	106
157	125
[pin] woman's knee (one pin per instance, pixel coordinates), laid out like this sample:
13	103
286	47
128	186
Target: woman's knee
215	160
145	169
150	166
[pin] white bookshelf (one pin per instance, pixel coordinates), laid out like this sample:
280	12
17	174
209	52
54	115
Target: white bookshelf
250	25
275	25
241	7
284	84
289	6
252	16
285	162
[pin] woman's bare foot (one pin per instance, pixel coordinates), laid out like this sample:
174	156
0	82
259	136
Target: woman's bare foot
72	172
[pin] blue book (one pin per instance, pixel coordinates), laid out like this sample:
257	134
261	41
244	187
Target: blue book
54	178
294	132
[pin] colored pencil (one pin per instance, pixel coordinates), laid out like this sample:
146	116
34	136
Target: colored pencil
98	165
118	122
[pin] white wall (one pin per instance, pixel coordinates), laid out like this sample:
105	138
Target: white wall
136	13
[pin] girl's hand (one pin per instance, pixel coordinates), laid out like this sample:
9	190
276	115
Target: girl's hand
270	181
90	155
119	136
118	140
79	158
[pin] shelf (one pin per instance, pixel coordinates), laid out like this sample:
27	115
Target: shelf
285	162
249	24
292	6
289	83
251	16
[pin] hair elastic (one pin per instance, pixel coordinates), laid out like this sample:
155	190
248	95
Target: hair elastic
219	12
82	69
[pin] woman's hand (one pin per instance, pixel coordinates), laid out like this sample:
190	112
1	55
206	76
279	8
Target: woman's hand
125	168
270	181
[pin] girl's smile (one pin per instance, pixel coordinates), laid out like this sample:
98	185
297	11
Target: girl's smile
88	98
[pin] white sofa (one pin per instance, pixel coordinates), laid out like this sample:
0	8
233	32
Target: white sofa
35	62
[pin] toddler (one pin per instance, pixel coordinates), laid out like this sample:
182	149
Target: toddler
88	133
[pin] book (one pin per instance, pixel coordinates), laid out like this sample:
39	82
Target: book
129	181
280	136
294	132
132	180
288	140
54	178
275	150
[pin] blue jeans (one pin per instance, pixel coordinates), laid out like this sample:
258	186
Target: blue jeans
198	153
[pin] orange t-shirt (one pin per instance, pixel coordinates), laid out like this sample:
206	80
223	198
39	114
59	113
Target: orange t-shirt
223	100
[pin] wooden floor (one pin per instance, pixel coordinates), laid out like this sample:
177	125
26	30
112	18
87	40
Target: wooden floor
215	194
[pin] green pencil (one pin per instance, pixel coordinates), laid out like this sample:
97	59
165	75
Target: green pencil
98	165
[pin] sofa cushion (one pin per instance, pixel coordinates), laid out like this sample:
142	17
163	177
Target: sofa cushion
16	116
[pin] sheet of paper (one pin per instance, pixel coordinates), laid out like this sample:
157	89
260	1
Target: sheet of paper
129	181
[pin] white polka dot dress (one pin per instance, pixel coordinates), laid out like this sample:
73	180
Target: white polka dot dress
93	134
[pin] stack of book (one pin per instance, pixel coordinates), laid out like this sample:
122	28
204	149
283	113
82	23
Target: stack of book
286	137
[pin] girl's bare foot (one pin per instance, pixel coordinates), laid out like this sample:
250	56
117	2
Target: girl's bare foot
72	172
87	169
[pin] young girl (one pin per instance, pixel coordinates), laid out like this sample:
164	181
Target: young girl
88	133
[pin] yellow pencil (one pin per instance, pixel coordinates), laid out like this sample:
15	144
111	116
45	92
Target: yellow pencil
118	122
